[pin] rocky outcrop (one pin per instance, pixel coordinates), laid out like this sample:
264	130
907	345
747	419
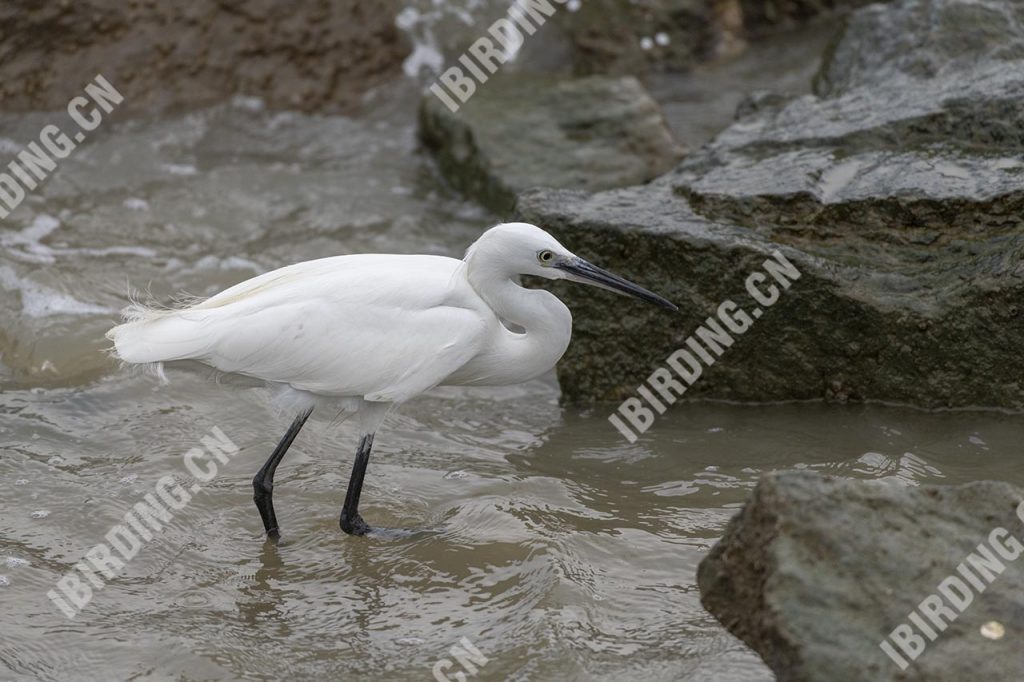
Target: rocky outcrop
521	131
308	56
815	573
897	192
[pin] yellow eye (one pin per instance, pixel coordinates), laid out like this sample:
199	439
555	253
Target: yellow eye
545	257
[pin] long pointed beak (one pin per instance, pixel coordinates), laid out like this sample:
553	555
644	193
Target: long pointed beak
588	273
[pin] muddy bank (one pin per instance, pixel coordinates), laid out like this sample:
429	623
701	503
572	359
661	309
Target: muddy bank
306	56
323	56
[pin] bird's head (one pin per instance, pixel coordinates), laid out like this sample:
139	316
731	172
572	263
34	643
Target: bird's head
512	249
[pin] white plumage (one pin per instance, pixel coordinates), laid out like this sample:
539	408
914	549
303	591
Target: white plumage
375	330
378	327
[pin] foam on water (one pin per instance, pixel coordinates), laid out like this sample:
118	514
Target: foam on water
42	301
26	244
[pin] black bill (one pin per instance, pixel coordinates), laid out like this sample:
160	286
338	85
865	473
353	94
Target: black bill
592	274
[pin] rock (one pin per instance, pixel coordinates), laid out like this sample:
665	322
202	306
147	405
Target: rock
617	37
762	16
611	36
882	42
900	201
816	571
308	56
520	131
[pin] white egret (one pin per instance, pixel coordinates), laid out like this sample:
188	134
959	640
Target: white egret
369	332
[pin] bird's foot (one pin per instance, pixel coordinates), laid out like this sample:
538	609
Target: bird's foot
354	525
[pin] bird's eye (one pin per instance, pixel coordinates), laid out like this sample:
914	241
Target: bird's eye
545	256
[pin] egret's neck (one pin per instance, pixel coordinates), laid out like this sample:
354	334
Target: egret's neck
527	308
546	322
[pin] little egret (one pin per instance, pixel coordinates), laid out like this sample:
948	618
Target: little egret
369	332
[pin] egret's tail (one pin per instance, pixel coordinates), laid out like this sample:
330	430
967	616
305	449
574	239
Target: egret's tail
154	335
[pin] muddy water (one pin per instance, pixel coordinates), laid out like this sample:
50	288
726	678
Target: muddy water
557	549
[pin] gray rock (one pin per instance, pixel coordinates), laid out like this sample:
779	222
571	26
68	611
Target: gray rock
900	202
816	571
521	131
881	41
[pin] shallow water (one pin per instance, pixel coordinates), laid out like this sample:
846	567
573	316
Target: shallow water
559	550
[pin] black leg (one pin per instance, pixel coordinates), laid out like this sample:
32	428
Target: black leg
263	483
351	522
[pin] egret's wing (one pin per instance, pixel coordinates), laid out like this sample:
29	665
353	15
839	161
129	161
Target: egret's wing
375	350
382	327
